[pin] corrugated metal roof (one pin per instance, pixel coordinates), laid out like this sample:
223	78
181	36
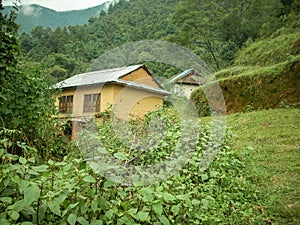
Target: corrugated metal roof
108	76
180	75
189	76
144	87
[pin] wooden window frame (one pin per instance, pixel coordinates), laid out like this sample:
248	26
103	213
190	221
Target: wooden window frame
91	103
66	104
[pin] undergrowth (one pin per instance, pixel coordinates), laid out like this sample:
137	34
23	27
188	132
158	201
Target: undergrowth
70	192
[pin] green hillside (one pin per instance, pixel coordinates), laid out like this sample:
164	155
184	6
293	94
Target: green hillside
265	73
31	16
213	30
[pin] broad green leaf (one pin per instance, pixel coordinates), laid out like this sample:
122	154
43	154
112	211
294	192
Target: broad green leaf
72	206
19	205
50	162
195	202
143	216
109	183
164	220
213	173
89	179
84	208
97	222
4	221
204	177
61	198
175	209
26	223
42	211
168	197
33	172
14	215
72	219
28	211
104	204
67	167
6	200
109	214
41	168
23	185
182	197
31	194
157	208
94	206
78	160
60	163
82	221
54	207
22	160
132	211
120	156
146	194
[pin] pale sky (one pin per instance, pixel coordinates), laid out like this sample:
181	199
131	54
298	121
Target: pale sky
59	5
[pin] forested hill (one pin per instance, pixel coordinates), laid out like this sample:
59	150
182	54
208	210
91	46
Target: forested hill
67	51
213	29
31	16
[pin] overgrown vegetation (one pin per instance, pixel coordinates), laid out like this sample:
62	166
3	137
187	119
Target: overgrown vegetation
265	74
253	89
68	191
27	103
254	179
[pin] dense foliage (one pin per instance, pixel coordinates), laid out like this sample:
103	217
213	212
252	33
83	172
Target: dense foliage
27	103
42	183
214	30
265	73
67	51
68	192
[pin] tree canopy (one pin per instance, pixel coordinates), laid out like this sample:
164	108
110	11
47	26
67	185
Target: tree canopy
214	30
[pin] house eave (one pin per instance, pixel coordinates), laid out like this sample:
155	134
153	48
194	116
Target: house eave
125	84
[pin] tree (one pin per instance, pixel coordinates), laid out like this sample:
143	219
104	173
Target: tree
198	21
27	103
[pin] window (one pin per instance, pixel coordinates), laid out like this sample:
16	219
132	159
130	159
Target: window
66	104
91	103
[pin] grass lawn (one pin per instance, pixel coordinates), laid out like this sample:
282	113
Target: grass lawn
272	139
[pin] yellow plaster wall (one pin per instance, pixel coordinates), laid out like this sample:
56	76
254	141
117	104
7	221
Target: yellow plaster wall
141	76
145	105
107	96
130	102
78	98
126	101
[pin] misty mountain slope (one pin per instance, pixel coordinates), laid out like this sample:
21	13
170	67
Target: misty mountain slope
30	16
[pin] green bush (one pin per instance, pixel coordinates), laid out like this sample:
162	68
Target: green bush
69	192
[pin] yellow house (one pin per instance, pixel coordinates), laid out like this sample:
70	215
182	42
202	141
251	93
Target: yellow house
132	91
